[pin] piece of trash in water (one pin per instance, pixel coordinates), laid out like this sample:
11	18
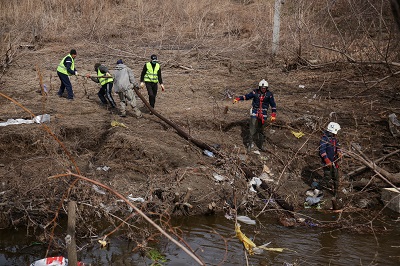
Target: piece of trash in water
131	198
218	177
54	261
98	190
208	153
245	219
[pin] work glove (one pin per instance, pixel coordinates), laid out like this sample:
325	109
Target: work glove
142	85
76	73
162	87
328	162
88	75
237	99
273	117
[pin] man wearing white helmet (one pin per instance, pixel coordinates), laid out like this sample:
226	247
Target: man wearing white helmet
329	151
262	99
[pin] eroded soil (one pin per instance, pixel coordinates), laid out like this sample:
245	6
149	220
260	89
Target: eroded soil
148	159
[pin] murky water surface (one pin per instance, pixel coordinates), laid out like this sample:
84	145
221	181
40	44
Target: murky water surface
213	239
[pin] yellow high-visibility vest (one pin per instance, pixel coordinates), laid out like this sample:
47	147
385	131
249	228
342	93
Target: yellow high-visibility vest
62	69
151	74
103	80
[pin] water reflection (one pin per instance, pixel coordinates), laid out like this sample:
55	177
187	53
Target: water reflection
213	239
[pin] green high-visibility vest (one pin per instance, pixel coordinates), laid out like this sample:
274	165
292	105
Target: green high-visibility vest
103	80
62	69
151	74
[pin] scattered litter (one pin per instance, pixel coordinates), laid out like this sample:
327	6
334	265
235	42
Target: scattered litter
139	199
298	134
53	261
257	152
228	216
249	245
118	124
45	89
208	153
98	190
394	125
245	219
218	177
105	168
314	198
37	119
255	181
301	86
266	201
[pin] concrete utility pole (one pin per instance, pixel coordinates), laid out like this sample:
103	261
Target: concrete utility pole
277	22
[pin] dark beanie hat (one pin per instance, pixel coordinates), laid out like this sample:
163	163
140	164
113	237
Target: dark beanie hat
73	51
153	57
119	61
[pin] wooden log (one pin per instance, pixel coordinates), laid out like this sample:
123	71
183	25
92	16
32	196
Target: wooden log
362	168
70	238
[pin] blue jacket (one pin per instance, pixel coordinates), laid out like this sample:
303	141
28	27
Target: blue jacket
261	102
329	147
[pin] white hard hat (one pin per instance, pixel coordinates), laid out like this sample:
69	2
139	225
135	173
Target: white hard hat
333	127
263	83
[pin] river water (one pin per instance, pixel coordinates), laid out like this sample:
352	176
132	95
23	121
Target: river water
213	239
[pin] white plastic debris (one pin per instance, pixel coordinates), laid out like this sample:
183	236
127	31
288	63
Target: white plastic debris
42	118
37	119
301	86
208	153
257	152
98	190
255	181
218	177
105	168
245	219
131	198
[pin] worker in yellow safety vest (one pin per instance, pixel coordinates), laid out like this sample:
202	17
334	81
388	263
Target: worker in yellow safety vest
151	77
105	92
65	69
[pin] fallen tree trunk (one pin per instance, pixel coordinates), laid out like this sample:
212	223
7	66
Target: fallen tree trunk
362	168
389	178
181	132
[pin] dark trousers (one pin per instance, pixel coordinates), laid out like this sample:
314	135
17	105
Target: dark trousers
256	130
331	178
152	92
65	84
105	94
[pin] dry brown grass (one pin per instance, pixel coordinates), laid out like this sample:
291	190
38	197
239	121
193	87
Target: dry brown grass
362	29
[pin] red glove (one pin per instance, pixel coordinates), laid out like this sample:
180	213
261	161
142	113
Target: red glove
237	99
273	117
328	162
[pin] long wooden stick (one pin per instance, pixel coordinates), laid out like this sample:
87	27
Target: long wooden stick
191	254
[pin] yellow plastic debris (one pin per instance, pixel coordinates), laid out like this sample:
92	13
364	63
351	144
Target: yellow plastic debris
117	124
103	243
298	134
249	245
